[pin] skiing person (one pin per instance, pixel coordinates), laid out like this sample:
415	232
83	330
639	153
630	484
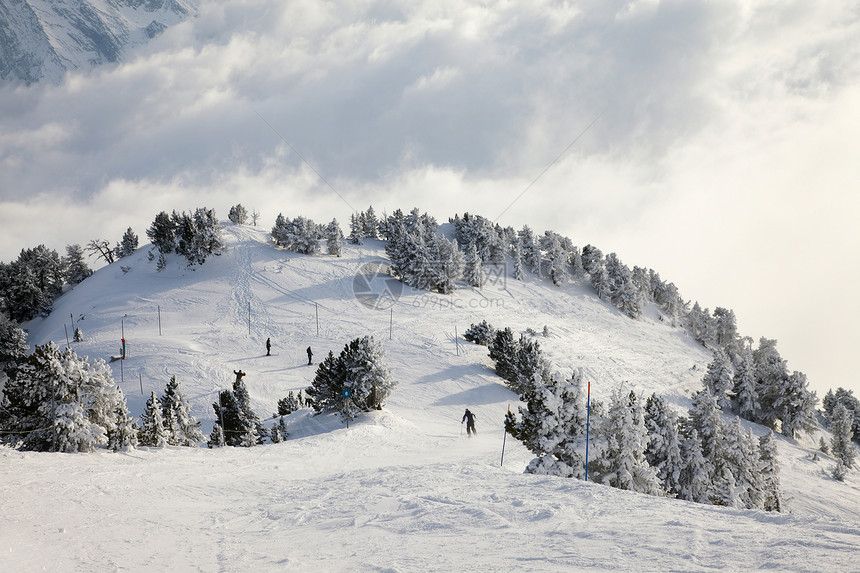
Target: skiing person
469	418
239	375
310	356
268	347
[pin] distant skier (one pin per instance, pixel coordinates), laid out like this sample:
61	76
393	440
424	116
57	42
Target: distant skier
268	347
239	375
310	356
469	418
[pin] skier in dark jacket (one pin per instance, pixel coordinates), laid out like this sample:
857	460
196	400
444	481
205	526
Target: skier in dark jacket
310	356
469	418
268	347
239	375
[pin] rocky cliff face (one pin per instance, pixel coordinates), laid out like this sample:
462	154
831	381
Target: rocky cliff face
41	39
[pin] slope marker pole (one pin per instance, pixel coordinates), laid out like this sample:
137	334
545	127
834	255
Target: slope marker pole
587	423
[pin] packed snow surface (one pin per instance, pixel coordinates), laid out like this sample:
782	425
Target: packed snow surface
402	489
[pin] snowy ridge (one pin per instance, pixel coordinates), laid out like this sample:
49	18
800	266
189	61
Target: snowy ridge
42	39
401	489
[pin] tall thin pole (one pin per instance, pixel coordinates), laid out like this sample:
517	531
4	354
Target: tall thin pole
67	336
72	316
140	378
587	424
456	340
159	320
505	437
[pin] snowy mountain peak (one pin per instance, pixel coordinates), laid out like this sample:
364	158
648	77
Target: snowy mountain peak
40	39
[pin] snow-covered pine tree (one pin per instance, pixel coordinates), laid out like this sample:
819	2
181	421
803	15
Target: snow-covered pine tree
843	396
664	444
288	404
79	335
206	236
162	233
482	333
841	443
795	405
367	374
623	293
334	238
718	379
370	228
152	431
701	326
128	244
503	352
473	270
552	425
745	387
356	231
725	327
517	256
531	250
123	437
183	428
248	430
737	454
556	258
574	259
238	214
279	231
449	266
362	369
768	471
216	437
696	475
56	401
704	417
76	267
279	431
324	393
622	463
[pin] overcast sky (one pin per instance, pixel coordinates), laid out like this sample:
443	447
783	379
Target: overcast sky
715	142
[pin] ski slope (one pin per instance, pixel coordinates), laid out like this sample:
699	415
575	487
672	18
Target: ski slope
398	490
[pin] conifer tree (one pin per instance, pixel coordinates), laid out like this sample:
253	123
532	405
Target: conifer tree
356	231
696	475
473	271
76	267
482	333
769	474
841	444
503	351
622	463
182	427
517	256
238	214
128	245
664	446
745	387
152	432
718	379
334	238
552	425
162	233
123	437
370	229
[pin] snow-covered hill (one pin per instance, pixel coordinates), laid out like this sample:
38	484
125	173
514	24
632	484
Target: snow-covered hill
398	490
41	39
